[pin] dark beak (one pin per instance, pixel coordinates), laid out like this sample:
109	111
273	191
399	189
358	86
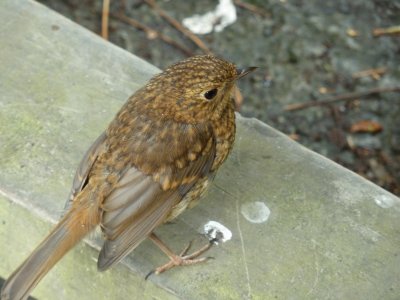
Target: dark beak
243	72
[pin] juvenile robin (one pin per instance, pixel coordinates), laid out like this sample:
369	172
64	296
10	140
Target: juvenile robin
154	160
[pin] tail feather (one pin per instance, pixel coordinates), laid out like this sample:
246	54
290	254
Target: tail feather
68	232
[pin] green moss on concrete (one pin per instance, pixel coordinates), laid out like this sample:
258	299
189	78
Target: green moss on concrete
21	231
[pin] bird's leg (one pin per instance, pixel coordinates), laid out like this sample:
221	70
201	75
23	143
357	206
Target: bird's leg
178	260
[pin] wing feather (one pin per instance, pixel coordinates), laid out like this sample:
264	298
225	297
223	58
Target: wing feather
138	228
139	201
86	164
139	204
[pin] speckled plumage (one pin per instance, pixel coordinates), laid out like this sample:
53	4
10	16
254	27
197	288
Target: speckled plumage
155	159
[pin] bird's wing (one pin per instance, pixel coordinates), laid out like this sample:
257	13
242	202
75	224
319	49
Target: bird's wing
82	173
139	203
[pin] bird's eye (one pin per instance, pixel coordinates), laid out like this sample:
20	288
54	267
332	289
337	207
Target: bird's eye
210	94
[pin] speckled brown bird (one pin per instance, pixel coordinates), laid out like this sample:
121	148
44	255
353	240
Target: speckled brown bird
155	159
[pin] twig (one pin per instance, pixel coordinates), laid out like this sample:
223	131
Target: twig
151	33
374	73
122	5
394	30
336	134
343	97
104	19
195	39
254	9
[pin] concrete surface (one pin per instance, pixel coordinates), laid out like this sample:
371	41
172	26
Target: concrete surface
303	227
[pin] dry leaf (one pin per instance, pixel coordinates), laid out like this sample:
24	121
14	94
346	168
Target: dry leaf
366	126
394	30
324	90
294	136
352	32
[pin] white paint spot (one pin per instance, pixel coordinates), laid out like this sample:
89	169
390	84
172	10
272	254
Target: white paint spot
384	201
223	15
255	212
217	231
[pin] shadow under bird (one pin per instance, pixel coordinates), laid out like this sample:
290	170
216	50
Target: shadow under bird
155	159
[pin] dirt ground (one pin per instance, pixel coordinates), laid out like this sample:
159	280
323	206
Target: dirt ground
307	51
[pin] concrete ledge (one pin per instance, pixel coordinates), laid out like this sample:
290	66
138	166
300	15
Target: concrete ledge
330	233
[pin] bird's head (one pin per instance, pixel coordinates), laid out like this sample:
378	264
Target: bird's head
193	90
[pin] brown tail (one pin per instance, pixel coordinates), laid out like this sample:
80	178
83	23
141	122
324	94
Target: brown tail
68	232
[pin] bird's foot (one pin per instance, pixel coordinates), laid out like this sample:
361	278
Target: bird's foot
183	259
